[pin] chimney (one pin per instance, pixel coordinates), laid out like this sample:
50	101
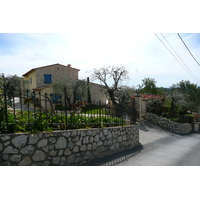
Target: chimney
69	65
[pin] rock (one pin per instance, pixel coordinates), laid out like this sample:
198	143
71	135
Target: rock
20	141
99	143
89	147
109	136
70	159
61	143
91	139
46	163
67	152
83	134
39	156
73	134
124	137
70	145
87	155
89	133
51	146
79	143
105	132
76	149
56	160
33	139
26	161
5	157
112	147
119	139
63	161
60	153
85	140
76	139
10	150
78	160
15	158
46	149
109	142
83	148
1	147
66	134
94	146
28	150
52	153
6	143
5	138
42	143
96	138
103	138
52	140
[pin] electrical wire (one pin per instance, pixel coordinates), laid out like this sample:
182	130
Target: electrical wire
180	58
188	49
176	58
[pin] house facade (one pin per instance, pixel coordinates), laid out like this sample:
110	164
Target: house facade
41	80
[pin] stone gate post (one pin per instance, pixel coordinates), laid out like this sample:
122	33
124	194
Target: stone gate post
144	107
138	105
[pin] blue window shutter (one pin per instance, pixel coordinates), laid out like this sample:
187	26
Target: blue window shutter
78	97
47	78
55	98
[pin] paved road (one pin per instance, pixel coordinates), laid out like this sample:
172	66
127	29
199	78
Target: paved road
163	148
159	148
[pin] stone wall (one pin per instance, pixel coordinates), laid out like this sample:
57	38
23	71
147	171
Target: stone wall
73	147
180	128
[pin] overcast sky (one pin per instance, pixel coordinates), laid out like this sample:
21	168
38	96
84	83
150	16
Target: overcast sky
91	35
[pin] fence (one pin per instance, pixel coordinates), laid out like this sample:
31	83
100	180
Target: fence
26	111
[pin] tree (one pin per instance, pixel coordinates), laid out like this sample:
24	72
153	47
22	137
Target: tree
148	86
71	89
112	74
89	100
124	93
178	103
191	93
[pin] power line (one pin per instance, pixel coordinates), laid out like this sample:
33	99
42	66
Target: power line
188	49
176	58
180	58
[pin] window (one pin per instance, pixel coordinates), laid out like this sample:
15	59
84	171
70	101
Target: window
30	80
55	98
47	78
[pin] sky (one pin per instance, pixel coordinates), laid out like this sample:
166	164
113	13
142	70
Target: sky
91	35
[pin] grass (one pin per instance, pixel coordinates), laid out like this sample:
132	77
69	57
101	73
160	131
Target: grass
96	111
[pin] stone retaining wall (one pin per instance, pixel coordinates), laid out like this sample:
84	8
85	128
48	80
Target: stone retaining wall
73	147
180	128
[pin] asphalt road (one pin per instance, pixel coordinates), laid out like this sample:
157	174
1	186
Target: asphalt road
159	148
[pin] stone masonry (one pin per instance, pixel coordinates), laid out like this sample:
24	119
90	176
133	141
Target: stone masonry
73	147
180	128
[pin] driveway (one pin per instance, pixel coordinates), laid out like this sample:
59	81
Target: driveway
164	148
159	148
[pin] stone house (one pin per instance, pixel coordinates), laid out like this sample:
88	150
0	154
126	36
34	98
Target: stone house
41	80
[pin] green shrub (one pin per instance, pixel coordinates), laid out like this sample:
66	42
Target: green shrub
35	122
186	118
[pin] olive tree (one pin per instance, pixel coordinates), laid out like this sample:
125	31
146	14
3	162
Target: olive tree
191	93
111	77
